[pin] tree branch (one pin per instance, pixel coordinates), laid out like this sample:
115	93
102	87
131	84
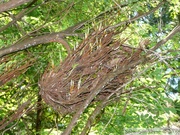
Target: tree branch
93	115
169	36
138	16
54	37
18	17
12	4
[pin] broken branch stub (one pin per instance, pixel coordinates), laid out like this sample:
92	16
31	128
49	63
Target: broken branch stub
68	86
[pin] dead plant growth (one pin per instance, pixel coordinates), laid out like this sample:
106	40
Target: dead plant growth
68	86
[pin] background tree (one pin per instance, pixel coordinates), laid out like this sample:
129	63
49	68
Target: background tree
38	36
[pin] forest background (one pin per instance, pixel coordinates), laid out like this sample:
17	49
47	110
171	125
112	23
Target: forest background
39	36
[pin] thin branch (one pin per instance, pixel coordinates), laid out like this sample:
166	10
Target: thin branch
18	17
39	115
138	16
19	112
12	4
99	16
93	115
110	11
169	36
10	127
126	103
112	115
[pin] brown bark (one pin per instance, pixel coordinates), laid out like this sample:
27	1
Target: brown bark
38	115
12	4
54	37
